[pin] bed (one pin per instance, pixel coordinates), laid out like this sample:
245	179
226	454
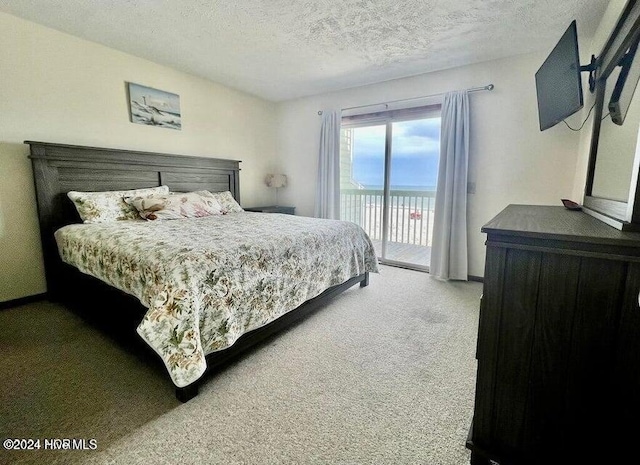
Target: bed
227	281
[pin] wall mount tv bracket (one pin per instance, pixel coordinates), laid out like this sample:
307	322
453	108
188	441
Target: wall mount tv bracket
591	69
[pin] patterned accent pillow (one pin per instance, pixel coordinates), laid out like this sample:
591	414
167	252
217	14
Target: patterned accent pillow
175	206
226	200
109	206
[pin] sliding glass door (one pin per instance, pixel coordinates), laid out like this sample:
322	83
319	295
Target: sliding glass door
388	175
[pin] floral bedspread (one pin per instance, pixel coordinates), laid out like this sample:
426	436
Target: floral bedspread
207	281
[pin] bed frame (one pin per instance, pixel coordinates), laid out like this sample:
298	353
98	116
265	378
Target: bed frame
59	168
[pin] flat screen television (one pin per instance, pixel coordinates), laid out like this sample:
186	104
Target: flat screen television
558	81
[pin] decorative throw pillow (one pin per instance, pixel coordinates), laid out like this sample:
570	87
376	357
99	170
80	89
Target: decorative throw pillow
226	201
109	206
176	206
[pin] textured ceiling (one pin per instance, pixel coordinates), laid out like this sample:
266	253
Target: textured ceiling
282	49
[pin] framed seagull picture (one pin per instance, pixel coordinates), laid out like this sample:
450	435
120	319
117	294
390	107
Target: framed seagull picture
154	107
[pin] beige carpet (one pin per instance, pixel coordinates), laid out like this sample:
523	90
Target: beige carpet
382	375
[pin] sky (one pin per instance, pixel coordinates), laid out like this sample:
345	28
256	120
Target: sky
414	154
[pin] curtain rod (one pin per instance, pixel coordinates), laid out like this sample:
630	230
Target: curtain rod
472	89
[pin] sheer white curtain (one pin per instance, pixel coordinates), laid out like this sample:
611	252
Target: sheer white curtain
328	185
449	249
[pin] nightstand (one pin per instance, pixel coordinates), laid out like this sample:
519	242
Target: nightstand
273	209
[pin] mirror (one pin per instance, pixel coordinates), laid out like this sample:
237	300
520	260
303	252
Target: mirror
616	149
612	193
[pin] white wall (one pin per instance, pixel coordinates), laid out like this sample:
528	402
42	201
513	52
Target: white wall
58	88
511	161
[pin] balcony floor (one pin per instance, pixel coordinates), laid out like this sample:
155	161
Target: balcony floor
406	253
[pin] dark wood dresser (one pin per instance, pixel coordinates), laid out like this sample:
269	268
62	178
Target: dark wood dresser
558	341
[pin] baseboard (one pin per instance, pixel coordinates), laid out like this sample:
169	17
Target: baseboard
477	279
22	301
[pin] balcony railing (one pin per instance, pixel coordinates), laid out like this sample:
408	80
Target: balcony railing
410	214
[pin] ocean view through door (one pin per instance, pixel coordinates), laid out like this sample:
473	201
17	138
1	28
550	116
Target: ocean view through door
388	177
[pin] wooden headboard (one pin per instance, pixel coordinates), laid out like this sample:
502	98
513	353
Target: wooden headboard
58	169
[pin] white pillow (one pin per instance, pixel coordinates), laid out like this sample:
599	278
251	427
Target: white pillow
109	206
226	201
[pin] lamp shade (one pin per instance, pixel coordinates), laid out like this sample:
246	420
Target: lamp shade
276	180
